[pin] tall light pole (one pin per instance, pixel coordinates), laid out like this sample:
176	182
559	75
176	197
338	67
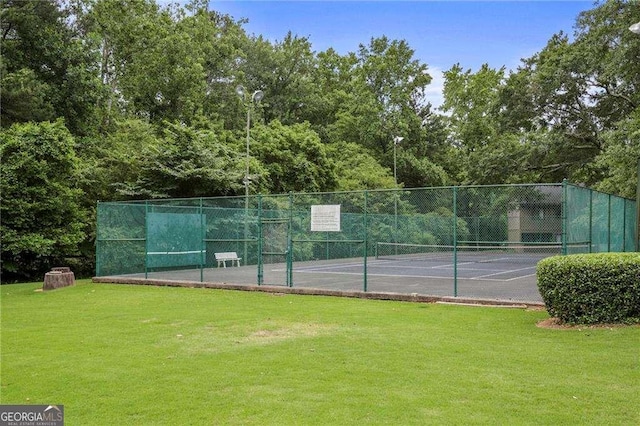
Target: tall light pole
635	28
396	141
255	98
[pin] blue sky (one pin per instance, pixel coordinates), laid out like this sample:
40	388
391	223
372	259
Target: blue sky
442	33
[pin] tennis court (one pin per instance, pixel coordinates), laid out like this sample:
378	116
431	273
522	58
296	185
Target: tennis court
481	273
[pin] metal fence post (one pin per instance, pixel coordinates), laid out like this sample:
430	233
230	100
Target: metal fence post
609	223
637	221
455	241
624	224
98	245
366	242
590	220
260	243
146	240
203	243
564	216
289	256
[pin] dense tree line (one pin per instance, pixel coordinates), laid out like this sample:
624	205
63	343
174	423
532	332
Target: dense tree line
124	99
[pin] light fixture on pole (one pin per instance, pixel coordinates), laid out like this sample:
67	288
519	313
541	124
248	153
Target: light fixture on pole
255	98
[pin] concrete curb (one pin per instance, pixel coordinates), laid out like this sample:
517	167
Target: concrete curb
413	297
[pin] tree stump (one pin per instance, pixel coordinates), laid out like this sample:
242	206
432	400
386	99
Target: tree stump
58	277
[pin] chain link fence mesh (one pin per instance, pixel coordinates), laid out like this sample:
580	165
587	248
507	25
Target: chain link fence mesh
470	241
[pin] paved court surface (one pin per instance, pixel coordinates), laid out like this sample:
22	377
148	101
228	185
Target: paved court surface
499	279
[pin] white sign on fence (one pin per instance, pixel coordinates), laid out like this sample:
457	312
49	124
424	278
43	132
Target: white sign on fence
325	218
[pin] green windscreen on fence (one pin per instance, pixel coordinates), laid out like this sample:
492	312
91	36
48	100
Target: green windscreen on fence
630	223
174	240
605	222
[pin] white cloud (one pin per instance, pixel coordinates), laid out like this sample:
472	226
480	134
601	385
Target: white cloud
434	90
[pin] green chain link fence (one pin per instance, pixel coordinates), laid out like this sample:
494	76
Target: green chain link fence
471	241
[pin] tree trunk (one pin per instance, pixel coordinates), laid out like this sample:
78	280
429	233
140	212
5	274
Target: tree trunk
58	277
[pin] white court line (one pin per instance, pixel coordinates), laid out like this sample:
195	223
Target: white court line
306	271
507	272
176	252
451	265
370	275
448	267
515	278
388	266
349	265
316	271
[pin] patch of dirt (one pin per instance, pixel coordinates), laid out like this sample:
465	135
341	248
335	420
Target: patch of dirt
554	323
292	331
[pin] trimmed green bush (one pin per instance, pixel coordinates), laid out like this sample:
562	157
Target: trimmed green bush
591	288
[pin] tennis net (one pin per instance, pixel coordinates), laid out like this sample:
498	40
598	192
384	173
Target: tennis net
498	252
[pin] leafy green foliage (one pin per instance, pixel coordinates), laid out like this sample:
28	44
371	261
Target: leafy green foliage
294	158
47	72
116	160
591	288
282	71
619	158
577	91
42	221
357	169
491	148
24	97
469	97
188	163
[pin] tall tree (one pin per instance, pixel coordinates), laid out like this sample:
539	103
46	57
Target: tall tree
186	162
619	158
42	218
46	72
113	162
469	98
489	151
356	169
332	81
294	158
390	87
163	63
283	71
378	93
578	90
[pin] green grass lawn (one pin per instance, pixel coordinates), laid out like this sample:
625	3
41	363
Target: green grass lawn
116	354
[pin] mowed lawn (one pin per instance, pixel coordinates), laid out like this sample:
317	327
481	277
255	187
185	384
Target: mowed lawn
134	355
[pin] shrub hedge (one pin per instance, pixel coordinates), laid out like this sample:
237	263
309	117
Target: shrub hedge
599	288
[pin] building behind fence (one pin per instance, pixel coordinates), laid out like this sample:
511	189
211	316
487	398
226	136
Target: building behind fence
339	240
